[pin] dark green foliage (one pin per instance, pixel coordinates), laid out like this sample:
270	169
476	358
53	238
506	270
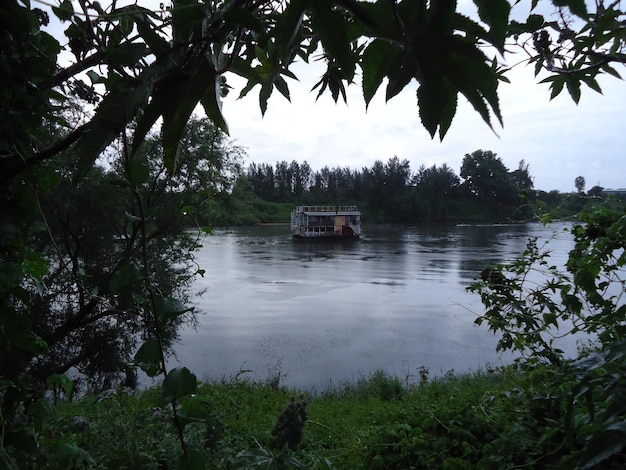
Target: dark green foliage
444	422
577	409
79	293
88	298
537	416
487	178
289	427
579	182
380	386
529	315
391	192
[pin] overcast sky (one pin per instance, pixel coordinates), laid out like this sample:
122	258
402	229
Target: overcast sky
558	139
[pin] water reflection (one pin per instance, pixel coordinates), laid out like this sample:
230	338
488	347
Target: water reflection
324	313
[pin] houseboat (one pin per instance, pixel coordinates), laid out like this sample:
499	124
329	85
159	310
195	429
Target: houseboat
326	222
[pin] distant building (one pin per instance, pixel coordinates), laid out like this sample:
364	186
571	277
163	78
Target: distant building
615	192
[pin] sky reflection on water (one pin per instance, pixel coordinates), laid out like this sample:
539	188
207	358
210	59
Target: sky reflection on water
322	314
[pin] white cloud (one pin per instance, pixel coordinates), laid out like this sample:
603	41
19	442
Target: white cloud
559	139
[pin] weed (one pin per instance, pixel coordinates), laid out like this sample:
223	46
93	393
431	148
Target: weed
290	425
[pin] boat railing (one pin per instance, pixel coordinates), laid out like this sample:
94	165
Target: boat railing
327	209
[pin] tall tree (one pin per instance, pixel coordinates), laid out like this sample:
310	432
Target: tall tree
579	183
284	181
434	184
596	191
521	176
300	177
90	320
373	183
487	177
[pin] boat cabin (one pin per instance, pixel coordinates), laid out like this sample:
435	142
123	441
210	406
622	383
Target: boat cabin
326	222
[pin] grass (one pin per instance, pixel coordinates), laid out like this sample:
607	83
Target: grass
375	423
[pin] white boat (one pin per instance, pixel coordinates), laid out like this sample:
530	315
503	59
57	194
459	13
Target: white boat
326	222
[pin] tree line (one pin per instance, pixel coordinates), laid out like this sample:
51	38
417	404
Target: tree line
392	192
95	263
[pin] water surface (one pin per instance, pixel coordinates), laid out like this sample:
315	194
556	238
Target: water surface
322	314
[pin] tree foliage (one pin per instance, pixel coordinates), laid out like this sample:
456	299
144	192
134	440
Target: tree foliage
435	185
487	177
92	308
579	183
532	304
127	53
392	192
149	65
137	68
111	265
585	41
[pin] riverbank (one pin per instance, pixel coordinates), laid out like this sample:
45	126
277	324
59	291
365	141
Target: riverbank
379	422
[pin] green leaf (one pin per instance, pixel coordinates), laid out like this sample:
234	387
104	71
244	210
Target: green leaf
128	275
549	318
244	17
126	24
94	77
328	23
376	60
193	460
437	102
137	172
532	24
131	218
64	11
264	94
290	21
592	83
557	87
176	101
282	87
148	118
158	45
114	112
167	307
42	411
186	14
496	14
257	457
400	75
611	71
573	87
61	380
126	54
212	104
47	178
148	357
69	455
603	445
179	382
466	69
578	7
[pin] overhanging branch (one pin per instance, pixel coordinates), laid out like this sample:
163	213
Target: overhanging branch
15	164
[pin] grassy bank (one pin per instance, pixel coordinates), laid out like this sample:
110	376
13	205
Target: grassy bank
255	210
379	422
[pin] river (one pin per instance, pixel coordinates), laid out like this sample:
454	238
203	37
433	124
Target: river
318	315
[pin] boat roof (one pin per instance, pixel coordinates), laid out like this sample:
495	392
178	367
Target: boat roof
325	213
327	210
